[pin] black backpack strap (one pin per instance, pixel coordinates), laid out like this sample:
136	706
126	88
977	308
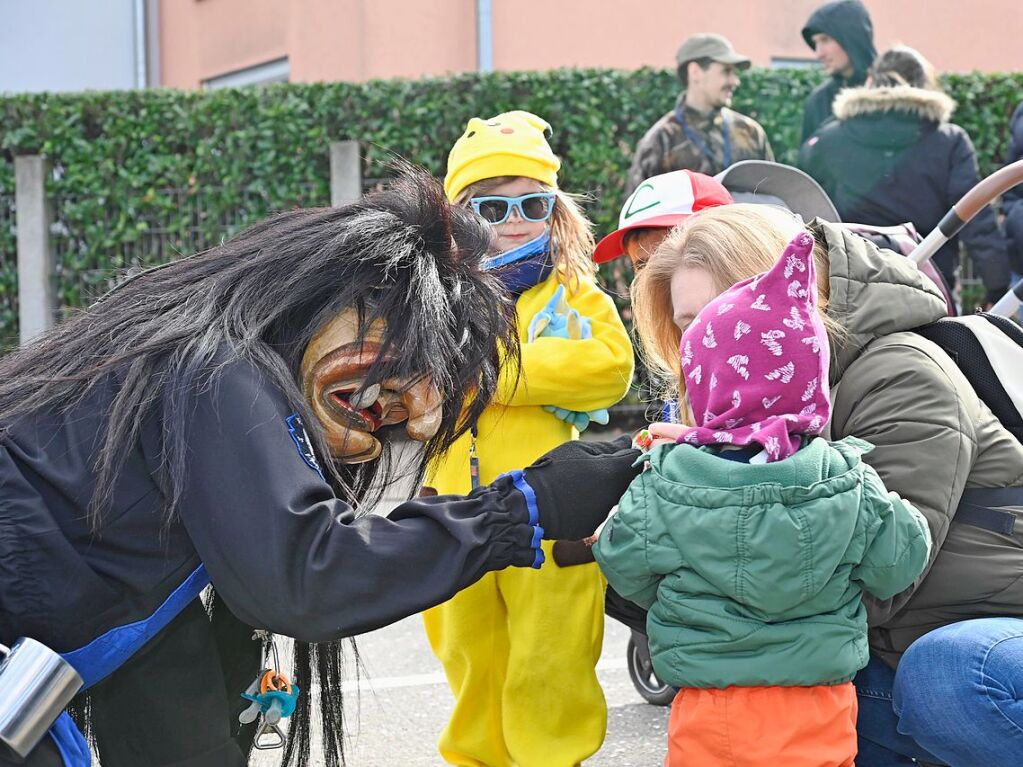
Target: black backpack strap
982	507
958	341
1007	326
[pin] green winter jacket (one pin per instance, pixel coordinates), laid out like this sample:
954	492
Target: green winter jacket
754	573
932	435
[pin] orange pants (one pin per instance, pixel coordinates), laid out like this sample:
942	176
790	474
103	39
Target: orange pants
763	727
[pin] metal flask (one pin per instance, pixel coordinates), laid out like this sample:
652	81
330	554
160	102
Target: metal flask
36	684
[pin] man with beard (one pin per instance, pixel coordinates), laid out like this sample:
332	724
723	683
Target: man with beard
701	133
216	421
842	37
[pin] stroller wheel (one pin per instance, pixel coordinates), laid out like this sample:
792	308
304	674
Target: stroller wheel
641	671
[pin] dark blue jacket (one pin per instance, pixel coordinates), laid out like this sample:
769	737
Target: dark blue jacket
1012	201
891	156
282	550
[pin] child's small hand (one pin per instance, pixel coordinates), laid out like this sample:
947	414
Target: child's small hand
646	441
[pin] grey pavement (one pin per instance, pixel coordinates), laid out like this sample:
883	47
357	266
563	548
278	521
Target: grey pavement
399	703
399	700
404	702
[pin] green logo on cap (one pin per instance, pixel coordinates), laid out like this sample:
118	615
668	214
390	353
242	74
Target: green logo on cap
632	210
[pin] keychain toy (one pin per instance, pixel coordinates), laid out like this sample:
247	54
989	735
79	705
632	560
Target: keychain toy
273	698
644	440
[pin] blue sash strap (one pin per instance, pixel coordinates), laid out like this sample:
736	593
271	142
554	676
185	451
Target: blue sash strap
71	744
108	652
726	137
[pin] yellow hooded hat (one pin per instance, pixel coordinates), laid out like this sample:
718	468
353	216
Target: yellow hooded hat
511	144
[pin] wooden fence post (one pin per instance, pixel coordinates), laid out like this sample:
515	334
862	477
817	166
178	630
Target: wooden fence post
37	302
345	173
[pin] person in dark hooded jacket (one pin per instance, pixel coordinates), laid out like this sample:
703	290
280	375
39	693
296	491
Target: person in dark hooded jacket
891	156
1012	201
842	36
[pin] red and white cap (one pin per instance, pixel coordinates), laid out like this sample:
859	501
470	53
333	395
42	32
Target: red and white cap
662	201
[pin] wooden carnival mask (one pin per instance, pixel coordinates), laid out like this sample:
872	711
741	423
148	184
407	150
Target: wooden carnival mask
334	383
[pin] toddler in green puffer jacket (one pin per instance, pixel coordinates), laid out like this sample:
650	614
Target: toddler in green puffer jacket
752	540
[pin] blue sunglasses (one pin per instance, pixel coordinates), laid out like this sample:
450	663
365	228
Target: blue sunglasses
496	209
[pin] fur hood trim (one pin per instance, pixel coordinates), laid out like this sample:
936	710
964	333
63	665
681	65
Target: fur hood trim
925	104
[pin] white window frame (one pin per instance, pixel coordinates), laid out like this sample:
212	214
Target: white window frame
797	62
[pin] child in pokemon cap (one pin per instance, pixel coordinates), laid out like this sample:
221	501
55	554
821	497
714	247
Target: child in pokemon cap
517	630
655	206
752	540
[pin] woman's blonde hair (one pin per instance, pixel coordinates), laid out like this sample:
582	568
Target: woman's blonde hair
572	240
731	243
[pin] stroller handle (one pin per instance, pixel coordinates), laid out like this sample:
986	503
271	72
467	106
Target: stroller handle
1010	303
968	206
988	189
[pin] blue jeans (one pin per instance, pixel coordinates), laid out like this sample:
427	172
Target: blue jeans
957	698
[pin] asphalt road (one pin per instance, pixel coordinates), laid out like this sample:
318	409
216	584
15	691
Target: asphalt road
403	702
399	702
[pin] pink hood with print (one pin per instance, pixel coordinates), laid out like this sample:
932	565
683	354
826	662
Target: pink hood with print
755	360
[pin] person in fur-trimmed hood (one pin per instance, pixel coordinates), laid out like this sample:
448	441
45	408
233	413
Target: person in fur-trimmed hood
891	156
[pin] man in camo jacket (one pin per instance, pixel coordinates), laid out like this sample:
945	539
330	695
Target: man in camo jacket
701	133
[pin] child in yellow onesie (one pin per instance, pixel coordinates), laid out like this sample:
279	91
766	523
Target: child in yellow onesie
520	646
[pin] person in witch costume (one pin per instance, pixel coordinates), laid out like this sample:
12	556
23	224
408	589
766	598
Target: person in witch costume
512	634
217	421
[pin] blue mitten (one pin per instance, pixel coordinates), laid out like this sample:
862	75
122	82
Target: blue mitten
552	320
559	320
576	418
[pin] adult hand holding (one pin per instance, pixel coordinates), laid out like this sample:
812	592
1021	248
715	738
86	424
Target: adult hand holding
578	483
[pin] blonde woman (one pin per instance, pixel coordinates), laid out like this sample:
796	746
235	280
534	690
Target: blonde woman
949	648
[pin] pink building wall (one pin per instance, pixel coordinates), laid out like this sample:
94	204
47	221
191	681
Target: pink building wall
357	40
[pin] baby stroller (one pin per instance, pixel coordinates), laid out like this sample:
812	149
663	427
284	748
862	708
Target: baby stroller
761	182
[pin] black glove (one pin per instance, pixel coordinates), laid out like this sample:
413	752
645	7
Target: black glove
578	483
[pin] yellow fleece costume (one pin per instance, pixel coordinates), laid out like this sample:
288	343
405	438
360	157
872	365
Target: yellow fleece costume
520	646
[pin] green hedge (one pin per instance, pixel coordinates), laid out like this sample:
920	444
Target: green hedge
237	154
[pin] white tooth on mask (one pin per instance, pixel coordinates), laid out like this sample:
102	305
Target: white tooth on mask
367	397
